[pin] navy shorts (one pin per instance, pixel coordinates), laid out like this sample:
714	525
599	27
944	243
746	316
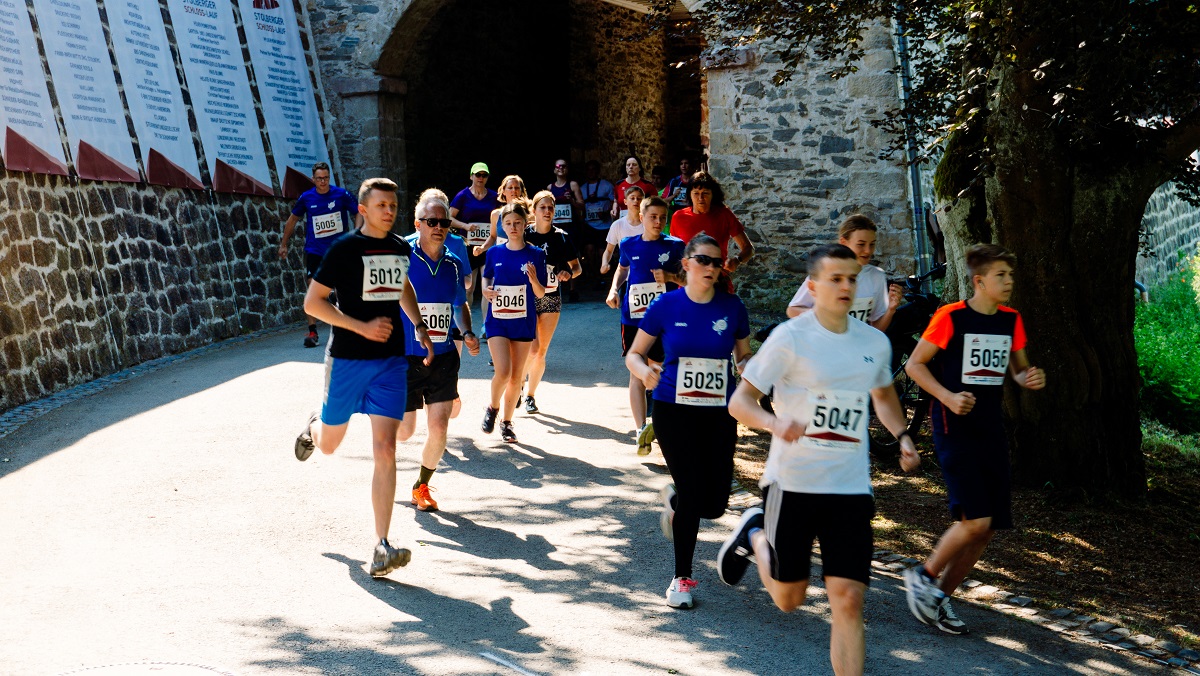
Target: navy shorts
370	386
975	467
841	523
312	261
629	332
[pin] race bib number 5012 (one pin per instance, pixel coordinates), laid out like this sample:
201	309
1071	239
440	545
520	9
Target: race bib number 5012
383	276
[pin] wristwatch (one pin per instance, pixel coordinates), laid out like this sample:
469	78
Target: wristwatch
468	333
423	326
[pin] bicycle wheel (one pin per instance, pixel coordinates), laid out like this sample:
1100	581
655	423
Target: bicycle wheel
915	405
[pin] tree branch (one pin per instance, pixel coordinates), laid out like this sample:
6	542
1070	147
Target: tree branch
1180	139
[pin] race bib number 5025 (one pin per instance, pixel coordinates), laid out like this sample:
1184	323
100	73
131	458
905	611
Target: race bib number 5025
383	276
701	382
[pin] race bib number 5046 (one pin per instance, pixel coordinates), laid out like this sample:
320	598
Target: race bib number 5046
985	358
510	302
383	276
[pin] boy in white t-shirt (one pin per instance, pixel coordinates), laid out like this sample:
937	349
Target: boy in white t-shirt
875	301
629	225
824	369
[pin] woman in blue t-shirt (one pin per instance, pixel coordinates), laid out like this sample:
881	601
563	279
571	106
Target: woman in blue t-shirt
700	326
513	276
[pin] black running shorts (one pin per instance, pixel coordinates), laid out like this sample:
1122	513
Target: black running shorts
432	384
629	332
841	523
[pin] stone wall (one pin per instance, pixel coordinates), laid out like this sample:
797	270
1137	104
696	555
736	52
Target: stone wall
1172	227
96	277
795	160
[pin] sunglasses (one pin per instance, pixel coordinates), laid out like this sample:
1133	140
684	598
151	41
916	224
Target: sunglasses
443	223
560	166
711	261
481	175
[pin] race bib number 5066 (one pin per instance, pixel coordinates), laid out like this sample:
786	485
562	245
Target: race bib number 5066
383	276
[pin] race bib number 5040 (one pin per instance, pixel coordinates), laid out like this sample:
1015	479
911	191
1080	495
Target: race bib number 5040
383	276
837	420
985	358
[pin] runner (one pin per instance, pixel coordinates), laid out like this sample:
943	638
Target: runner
700	326
676	192
562	264
327	211
568	200
436	274
512	191
876	301
513	275
598	197
633	176
365	367
469	212
708	213
628	225
961	360
817	483
650	262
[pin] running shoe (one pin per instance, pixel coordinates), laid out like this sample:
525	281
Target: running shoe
645	438
530	405
489	419
667	516
679	594
423	500
507	434
304	440
311	340
923	594
735	554
947	620
388	558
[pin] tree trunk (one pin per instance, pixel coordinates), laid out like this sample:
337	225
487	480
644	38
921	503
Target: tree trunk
1074	231
964	222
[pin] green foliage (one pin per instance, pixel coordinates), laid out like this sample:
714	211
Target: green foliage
1167	335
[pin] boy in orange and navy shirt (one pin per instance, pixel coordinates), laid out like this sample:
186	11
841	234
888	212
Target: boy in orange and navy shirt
962	360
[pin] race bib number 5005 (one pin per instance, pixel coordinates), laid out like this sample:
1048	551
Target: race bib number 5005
985	358
383	276
327	225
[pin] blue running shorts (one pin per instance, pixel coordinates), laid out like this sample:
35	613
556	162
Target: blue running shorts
371	386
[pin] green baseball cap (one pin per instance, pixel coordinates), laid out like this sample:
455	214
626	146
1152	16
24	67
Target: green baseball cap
478	167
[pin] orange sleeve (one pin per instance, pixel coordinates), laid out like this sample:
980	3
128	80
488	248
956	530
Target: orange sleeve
941	327
1019	334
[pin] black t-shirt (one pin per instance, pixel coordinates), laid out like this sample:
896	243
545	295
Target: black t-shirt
557	245
368	275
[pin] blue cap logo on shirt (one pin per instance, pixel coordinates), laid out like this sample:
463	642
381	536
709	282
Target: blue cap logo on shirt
720	325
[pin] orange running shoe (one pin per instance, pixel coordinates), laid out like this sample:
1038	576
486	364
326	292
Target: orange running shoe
423	500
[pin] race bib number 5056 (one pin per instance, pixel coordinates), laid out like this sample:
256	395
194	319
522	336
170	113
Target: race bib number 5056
383	276
985	358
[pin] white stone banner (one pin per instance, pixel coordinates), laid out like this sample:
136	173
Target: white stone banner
29	138
207	37
82	72
294	126
153	93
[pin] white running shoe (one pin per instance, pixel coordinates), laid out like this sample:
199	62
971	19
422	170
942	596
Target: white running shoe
679	594
947	620
923	594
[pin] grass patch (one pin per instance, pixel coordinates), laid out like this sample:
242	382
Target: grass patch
1166	332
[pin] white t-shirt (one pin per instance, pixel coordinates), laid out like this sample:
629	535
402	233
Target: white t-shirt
870	297
822	379
622	228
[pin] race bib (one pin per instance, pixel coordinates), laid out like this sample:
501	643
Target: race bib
861	309
437	317
477	233
551	279
701	382
985	358
641	295
510	302
327	225
562	214
383	276
837	420
623	214
597	211
680	197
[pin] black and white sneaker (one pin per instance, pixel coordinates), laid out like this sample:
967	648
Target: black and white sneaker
388	558
489	419
507	434
923	594
530	405
304	440
947	620
736	553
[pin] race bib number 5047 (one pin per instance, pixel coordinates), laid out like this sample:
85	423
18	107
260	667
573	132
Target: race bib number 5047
837	420
383	276
985	358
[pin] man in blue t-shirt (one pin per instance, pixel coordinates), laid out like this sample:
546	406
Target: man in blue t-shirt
328	212
436	274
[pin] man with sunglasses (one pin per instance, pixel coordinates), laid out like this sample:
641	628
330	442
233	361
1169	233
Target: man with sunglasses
327	211
437	275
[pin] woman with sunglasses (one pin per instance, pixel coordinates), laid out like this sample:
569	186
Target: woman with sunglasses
562	265
633	176
513	276
700	326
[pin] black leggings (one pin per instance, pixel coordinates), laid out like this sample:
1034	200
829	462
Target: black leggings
698	444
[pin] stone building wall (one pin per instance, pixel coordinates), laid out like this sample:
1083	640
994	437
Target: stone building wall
795	160
96	277
1172	227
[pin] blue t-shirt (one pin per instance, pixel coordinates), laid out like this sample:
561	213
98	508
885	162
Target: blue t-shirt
457	246
694	330
326	217
506	268
642	258
677	198
439	288
471	210
597	203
